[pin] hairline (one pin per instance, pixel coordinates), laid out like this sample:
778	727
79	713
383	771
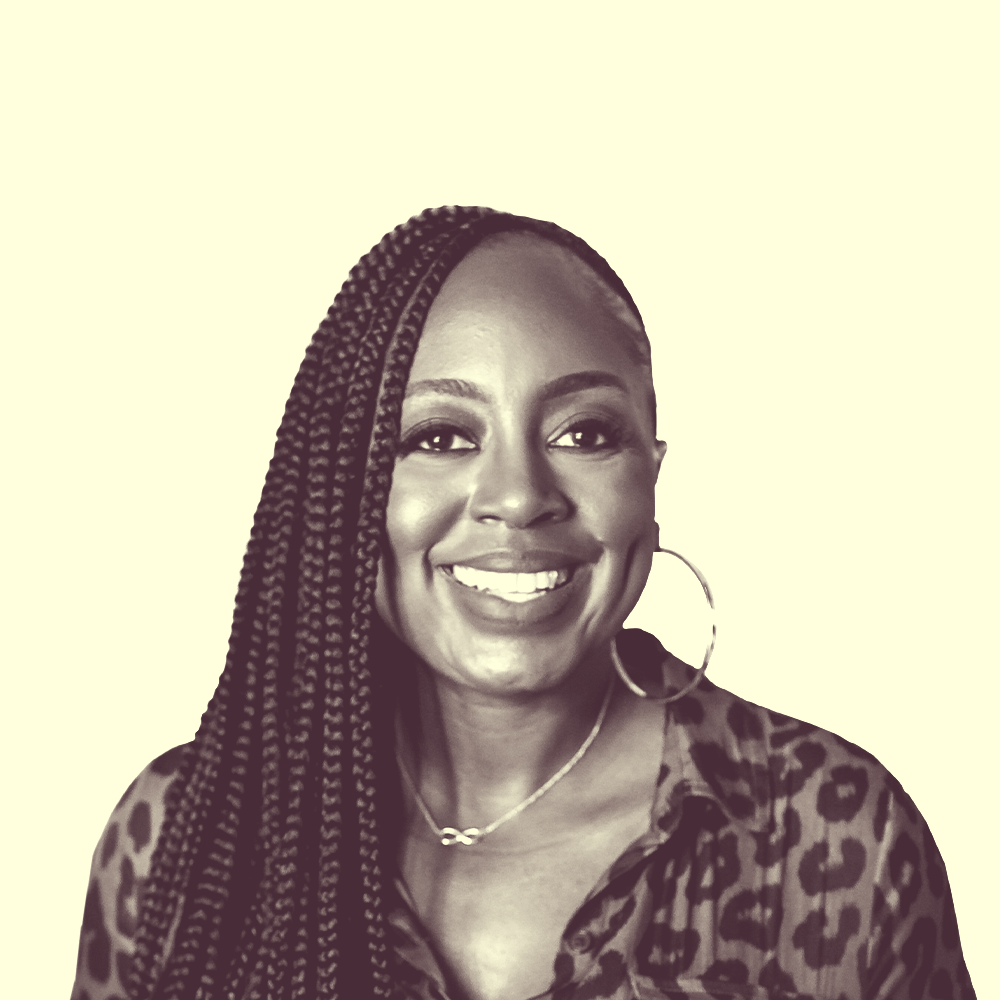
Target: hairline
636	340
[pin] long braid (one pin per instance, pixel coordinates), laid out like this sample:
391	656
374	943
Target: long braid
268	877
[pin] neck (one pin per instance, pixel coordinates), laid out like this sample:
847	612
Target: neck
476	755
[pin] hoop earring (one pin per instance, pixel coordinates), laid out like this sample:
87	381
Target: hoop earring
620	667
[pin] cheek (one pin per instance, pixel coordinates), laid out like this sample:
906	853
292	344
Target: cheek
621	506
419	512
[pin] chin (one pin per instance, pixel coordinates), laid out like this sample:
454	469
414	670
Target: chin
505	666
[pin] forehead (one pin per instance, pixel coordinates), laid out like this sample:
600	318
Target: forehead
519	304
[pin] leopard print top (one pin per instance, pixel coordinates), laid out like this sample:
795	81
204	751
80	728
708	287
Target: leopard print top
782	863
117	874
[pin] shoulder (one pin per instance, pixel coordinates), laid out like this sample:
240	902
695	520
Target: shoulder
792	784
830	841
118	873
751	757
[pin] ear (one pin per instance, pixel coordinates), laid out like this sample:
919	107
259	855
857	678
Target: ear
661	450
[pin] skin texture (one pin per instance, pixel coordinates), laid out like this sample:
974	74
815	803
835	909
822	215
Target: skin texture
504	475
527	444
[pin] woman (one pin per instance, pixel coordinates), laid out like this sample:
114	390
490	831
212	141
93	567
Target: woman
435	766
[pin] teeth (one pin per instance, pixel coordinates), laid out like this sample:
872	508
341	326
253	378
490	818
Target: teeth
511	586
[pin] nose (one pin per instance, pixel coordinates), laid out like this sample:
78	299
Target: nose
517	487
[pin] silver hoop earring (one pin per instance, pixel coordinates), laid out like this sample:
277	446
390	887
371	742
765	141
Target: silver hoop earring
620	667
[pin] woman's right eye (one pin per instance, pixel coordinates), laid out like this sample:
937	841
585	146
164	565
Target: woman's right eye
437	440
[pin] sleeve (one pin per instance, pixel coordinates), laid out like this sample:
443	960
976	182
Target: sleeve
118	873
913	948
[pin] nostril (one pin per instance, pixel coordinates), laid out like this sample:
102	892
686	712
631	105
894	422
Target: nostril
544	518
525	514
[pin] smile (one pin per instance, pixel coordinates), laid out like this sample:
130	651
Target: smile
514	587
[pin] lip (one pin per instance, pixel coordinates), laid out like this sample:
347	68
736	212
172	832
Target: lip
514	561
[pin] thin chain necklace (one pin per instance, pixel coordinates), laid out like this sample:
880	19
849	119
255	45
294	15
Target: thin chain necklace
449	836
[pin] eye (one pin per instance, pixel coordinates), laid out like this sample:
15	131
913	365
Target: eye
440	439
588	435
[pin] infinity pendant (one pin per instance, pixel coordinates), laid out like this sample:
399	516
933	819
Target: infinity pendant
450	836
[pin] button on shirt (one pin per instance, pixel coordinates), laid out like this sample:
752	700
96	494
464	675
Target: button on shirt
781	862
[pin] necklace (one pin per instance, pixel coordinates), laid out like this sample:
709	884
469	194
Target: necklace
472	835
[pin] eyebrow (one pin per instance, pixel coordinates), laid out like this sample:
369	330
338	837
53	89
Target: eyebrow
579	381
562	386
448	387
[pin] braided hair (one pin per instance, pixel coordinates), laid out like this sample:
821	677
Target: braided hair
269	875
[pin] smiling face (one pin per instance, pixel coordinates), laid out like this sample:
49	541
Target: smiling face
520	519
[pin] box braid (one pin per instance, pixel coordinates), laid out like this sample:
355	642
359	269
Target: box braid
267	882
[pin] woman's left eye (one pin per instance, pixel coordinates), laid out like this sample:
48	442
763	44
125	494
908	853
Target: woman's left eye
588	435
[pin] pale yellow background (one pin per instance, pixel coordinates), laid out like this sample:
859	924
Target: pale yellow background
803	200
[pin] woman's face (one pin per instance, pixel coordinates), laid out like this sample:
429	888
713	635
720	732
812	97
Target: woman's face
520	520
